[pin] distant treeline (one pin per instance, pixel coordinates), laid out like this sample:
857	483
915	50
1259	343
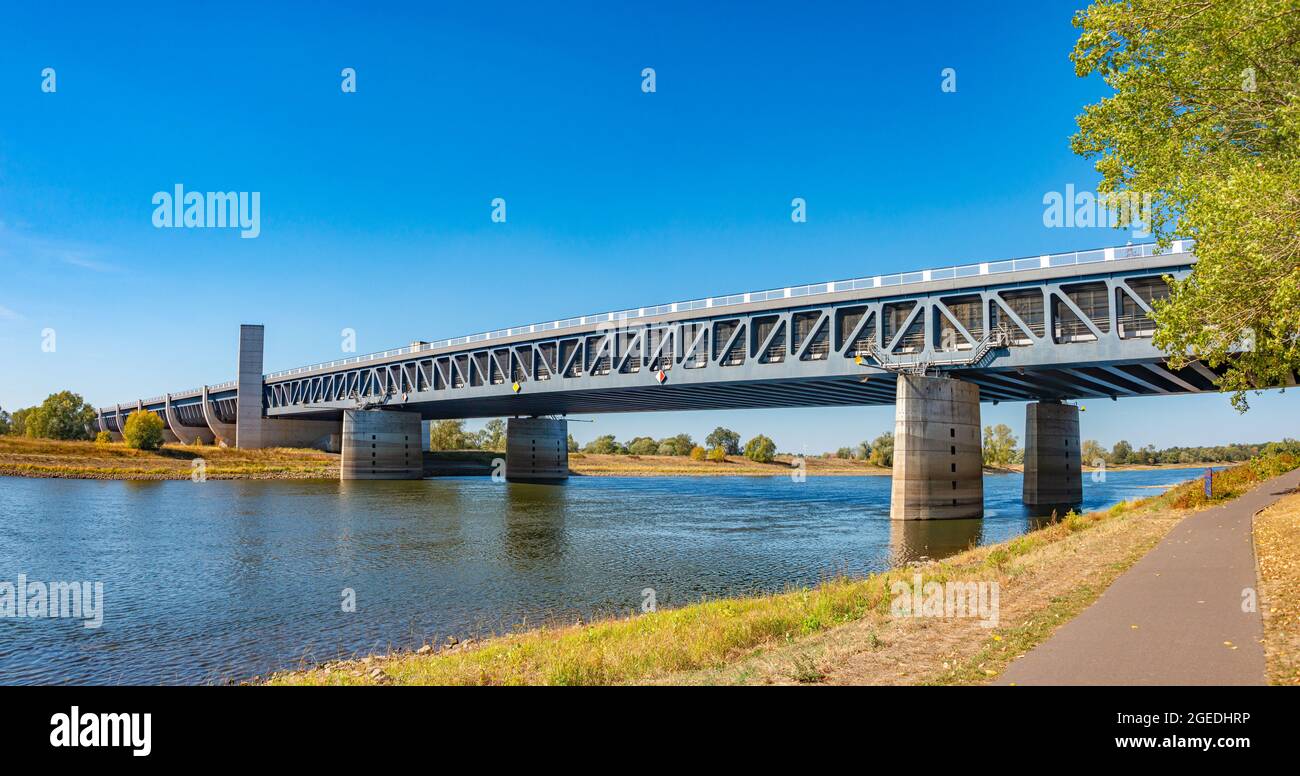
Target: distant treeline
1125	453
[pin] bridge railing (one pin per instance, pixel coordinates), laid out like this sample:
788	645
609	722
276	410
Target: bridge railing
790	292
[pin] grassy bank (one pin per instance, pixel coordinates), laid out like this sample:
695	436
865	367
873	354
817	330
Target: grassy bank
1277	553
23	457
838	632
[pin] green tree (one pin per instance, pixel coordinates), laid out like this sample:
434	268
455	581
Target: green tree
1205	117
493	435
63	415
602	445
1091	452
447	435
6	424
18	421
1120	453
573	444
760	449
844	452
725	438
999	445
143	431
882	449
643	446
682	444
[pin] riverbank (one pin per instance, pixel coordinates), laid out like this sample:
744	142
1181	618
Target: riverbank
841	632
24	457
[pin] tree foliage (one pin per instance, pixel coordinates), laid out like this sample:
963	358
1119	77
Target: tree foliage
760	449
6	424
724	438
447	435
999	445
63	415
143	431
1205	117
882	450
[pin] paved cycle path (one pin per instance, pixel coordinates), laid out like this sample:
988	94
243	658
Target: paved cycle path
1176	616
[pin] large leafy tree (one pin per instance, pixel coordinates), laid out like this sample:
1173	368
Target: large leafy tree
725	438
1206	119
999	445
63	415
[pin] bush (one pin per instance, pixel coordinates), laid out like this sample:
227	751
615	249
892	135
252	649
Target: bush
103	438
717	455
697	453
144	431
760	449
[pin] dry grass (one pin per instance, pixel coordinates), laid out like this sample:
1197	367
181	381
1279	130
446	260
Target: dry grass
838	632
587	464
1277	553
23	457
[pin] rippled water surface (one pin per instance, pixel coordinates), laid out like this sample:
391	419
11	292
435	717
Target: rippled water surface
211	581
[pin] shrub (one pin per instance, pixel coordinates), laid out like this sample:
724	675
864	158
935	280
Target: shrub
760	449
697	453
717	455
143	431
103	438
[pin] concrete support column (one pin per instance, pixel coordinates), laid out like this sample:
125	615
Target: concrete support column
938	466
1053	474
222	433
381	445
186	435
537	450
248	414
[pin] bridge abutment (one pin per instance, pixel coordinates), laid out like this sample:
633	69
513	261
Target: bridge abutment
938	466
537	450
1053	470
381	445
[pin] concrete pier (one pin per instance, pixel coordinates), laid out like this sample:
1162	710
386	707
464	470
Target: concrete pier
381	445
1053	471
537	450
248	415
938	466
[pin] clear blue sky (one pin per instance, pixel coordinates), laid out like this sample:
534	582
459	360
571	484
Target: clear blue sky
375	205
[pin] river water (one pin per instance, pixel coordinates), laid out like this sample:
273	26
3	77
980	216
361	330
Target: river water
224	580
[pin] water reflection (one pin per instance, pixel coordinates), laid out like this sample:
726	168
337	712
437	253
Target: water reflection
916	540
534	523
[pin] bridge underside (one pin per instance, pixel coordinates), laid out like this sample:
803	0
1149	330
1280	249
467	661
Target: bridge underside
872	387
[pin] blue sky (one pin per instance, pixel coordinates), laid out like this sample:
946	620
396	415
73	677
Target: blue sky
375	209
